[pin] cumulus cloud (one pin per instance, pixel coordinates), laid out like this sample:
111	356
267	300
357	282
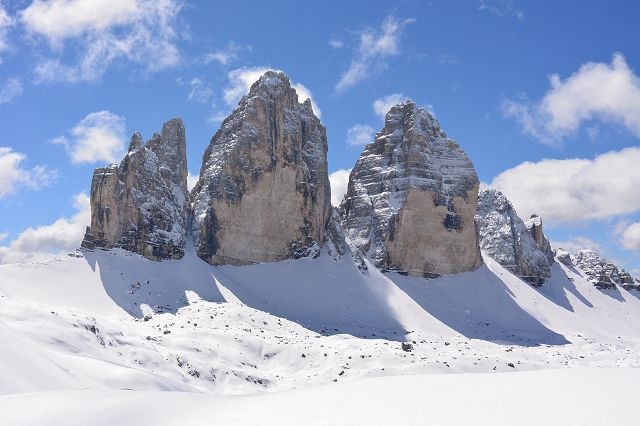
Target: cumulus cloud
13	175
375	46
360	134
630	235
608	93
575	190
103	32
64	235
578	243
11	89
339	181
99	137
241	79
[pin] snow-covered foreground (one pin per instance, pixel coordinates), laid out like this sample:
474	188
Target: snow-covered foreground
552	397
98	330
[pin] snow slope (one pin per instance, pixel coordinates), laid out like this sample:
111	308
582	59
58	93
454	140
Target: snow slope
109	321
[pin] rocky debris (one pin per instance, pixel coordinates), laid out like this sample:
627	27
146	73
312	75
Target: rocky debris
141	205
509	241
603	273
263	192
411	198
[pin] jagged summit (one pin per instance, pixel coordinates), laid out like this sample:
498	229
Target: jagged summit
263	193
411	198
519	247
141	204
603	273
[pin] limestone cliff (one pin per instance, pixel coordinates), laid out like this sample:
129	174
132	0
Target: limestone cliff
141	205
263	193
511	242
534	226
411	198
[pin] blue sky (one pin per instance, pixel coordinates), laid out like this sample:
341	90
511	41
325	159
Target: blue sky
544	96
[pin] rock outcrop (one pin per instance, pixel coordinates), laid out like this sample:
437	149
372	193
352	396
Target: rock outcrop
534	226
141	205
511	242
563	256
411	198
603	273
263	192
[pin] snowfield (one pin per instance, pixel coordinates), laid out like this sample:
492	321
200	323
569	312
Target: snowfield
108	337
553	397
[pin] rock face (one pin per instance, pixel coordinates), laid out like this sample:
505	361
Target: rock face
511	242
603	273
141	205
411	198
534	226
263	192
563	257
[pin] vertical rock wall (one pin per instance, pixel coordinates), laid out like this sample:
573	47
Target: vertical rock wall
263	192
141	205
411	199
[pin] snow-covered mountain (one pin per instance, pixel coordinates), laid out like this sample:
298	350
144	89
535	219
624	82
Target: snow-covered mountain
411	198
179	303
602	272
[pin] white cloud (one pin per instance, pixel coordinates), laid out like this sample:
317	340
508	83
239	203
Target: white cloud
360	134
192	180
225	56
382	106
14	176
103	31
6	22
336	43
12	89
501	8
578	243
99	137
241	79
575	190
65	234
597	91
304	94
339	181
630	235
374	47
200	92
